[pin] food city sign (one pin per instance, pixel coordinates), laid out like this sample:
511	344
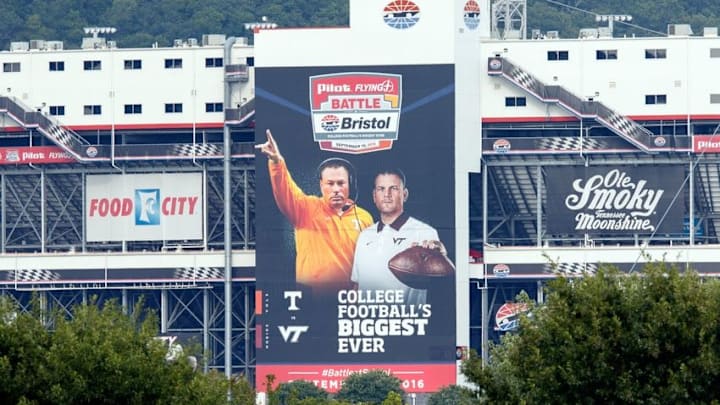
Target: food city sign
165	206
613	200
355	112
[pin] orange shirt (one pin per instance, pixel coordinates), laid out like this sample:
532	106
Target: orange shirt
324	239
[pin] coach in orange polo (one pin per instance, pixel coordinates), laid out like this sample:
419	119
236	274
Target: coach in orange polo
326	227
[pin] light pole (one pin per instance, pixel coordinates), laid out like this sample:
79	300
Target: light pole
611	18
263	24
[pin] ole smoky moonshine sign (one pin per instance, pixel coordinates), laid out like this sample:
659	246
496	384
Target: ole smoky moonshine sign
615	200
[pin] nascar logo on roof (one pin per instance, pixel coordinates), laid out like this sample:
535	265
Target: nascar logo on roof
401	14
356	112
471	14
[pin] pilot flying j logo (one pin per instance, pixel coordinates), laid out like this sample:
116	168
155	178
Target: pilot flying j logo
357	112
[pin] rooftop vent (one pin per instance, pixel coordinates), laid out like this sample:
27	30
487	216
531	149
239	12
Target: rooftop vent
552	35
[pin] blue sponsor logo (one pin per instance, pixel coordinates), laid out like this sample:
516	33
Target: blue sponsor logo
147	206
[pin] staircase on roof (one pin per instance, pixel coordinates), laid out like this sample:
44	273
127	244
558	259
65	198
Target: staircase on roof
582	108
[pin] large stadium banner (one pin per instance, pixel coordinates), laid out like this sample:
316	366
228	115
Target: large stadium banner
327	303
138	207
611	200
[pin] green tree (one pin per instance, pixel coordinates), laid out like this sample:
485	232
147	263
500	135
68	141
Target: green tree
288	393
612	338
99	356
452	395
371	387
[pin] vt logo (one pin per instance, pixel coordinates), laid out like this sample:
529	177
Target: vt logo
398	241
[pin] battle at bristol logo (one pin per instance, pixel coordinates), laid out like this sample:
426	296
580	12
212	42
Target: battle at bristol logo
471	14
356	112
401	14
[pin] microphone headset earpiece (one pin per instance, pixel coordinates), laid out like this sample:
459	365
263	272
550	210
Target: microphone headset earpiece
352	180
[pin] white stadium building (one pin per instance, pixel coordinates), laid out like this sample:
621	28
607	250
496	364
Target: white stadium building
568	153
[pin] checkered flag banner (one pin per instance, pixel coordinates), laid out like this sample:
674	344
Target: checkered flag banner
570	143
523	78
60	135
199	273
30	275
198	150
571	269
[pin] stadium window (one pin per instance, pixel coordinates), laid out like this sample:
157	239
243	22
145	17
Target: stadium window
57	66
603	54
133	64
92	110
655	54
91	65
173	108
11	67
133	108
213	107
213	62
714	98
57	110
715	52
173	63
655	99
558	55
250	61
515	102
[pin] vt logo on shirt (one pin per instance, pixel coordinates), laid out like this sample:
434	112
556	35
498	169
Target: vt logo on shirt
398	241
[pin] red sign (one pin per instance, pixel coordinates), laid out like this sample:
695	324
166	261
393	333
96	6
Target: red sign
414	377
34	155
355	112
706	144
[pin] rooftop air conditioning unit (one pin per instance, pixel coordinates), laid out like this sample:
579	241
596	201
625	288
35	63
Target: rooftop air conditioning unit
710	31
679	30
93	43
586	33
604	32
54	45
37	44
178	43
213	39
192	41
552	35
112	44
19	46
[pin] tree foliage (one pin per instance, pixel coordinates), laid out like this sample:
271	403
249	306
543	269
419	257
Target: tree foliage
452	395
612	338
99	356
293	392
372	387
141	23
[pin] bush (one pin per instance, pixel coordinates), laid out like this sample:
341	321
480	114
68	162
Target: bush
452	395
293	392
372	387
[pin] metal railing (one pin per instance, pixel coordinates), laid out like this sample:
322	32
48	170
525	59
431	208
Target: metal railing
621	125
